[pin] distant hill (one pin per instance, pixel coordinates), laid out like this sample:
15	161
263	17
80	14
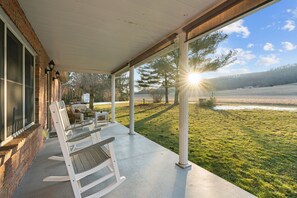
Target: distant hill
279	76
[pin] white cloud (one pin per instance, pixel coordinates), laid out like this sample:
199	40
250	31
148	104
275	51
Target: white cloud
268	47
222	50
250	45
293	12
288	46
272	25
241	56
245	55
268	60
290	25
237	27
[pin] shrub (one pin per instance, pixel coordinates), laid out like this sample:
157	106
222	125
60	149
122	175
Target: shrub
207	103
157	94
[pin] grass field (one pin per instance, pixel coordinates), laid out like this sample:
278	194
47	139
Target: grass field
255	150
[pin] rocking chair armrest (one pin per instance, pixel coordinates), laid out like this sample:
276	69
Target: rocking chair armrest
77	127
82	135
103	142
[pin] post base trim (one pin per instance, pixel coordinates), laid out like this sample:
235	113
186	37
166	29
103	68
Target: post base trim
184	166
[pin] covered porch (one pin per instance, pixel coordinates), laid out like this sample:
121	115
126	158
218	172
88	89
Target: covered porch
117	37
112	38
149	168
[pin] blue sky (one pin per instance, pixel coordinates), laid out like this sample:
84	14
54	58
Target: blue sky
263	40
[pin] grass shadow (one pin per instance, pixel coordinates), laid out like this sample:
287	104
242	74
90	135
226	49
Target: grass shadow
279	156
143	121
142	111
227	114
222	112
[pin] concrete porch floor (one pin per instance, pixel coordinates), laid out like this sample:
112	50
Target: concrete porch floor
149	169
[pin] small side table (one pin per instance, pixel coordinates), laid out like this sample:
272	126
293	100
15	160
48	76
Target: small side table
99	114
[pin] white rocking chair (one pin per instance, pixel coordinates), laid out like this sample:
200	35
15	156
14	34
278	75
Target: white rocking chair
87	161
76	134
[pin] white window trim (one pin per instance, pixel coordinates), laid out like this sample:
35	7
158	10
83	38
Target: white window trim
34	108
6	139
24	86
15	31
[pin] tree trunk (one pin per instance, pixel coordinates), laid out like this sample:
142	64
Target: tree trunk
176	95
91	105
166	89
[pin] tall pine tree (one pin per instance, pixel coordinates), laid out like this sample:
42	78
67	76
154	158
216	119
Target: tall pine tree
203	56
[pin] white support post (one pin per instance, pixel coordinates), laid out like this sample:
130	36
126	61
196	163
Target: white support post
183	101
131	101
34	95
113	98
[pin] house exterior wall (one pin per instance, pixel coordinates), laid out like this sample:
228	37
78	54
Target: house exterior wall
17	16
16	156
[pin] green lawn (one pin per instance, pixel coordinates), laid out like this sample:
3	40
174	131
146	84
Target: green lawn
255	150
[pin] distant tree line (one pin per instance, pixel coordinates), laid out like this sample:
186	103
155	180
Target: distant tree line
278	76
97	85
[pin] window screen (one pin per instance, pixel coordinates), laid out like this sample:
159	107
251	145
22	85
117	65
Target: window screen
29	88
14	84
1	81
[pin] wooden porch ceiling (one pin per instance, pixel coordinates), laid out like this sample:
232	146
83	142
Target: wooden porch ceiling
103	37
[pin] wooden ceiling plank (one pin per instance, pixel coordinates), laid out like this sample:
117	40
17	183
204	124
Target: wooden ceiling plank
151	51
221	15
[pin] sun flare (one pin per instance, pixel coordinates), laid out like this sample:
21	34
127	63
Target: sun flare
194	78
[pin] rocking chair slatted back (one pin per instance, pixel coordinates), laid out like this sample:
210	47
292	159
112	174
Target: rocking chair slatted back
87	161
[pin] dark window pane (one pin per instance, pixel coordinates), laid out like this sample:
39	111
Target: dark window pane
1	81
14	84
14	59
14	107
29	89
29	106
29	69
